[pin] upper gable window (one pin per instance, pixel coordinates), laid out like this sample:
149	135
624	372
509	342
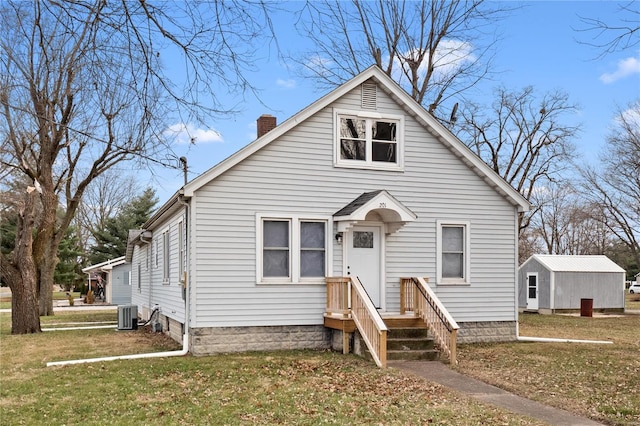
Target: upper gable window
368	140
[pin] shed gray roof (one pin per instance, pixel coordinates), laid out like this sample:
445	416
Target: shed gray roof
577	263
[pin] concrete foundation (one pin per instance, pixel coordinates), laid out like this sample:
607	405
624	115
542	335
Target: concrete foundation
487	331
208	341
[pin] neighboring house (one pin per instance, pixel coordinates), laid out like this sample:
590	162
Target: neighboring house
114	275
364	182
555	283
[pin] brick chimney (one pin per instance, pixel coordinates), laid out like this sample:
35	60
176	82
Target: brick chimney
266	122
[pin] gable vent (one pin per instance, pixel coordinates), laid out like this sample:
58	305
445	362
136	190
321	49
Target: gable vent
369	96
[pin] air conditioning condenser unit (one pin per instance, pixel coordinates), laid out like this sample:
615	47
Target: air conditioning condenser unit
128	317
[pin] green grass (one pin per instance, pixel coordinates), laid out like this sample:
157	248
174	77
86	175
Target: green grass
598	381
5	302
297	387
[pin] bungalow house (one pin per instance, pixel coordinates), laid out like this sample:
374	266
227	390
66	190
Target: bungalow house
361	193
113	276
558	283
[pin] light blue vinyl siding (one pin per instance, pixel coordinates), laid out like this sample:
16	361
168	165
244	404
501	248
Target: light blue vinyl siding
294	174
154	290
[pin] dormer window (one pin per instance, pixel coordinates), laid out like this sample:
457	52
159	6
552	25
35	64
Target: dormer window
368	140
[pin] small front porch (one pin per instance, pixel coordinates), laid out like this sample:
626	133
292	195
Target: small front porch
349	309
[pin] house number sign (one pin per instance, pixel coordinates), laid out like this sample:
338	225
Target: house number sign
382	205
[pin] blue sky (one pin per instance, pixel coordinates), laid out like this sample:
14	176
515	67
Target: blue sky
539	47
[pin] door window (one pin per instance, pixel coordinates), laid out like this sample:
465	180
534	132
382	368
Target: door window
532	286
362	239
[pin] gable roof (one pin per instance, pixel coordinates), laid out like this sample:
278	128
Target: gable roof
392	212
370	201
104	266
402	97
576	263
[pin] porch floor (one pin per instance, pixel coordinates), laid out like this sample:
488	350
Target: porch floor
391	320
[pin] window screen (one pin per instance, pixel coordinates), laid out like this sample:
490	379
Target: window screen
275	259
312	249
453	252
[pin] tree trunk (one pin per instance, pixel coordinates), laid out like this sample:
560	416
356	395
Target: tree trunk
24	303
45	248
47	271
23	279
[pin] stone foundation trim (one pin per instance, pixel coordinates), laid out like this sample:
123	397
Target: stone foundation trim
487	331
215	340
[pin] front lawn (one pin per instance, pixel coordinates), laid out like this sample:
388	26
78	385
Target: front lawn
598	381
301	387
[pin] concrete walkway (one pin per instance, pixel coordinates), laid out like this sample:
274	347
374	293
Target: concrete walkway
438	372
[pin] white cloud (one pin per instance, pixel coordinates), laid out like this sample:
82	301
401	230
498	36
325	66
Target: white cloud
447	60
319	65
625	68
631	116
183	133
287	84
252	132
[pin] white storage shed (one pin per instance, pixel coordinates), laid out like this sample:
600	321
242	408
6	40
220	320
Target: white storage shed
556	283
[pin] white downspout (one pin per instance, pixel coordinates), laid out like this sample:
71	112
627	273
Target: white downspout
555	340
182	352
185	336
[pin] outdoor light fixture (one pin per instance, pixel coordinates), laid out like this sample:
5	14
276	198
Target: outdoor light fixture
339	237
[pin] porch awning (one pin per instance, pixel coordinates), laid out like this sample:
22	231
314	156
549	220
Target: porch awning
374	206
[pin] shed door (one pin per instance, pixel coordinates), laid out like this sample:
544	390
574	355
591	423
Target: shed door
532	291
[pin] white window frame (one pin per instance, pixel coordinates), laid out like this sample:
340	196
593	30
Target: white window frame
262	278
294	247
165	257
139	280
181	252
370	116
299	249
466	279
156	253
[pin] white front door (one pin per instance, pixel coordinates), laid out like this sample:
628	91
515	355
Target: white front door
363	259
532	291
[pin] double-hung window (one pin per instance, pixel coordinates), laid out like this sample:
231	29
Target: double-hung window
291	249
165	257
276	260
453	253
368	140
312	249
181	252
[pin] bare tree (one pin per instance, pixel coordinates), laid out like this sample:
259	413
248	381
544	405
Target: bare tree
565	223
431	48
610	37
103	199
615	186
522	138
83	88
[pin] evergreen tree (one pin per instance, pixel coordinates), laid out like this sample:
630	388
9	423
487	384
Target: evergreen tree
111	241
68	271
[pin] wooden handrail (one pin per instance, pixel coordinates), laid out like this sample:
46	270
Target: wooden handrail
417	296
347	297
369	323
338	296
